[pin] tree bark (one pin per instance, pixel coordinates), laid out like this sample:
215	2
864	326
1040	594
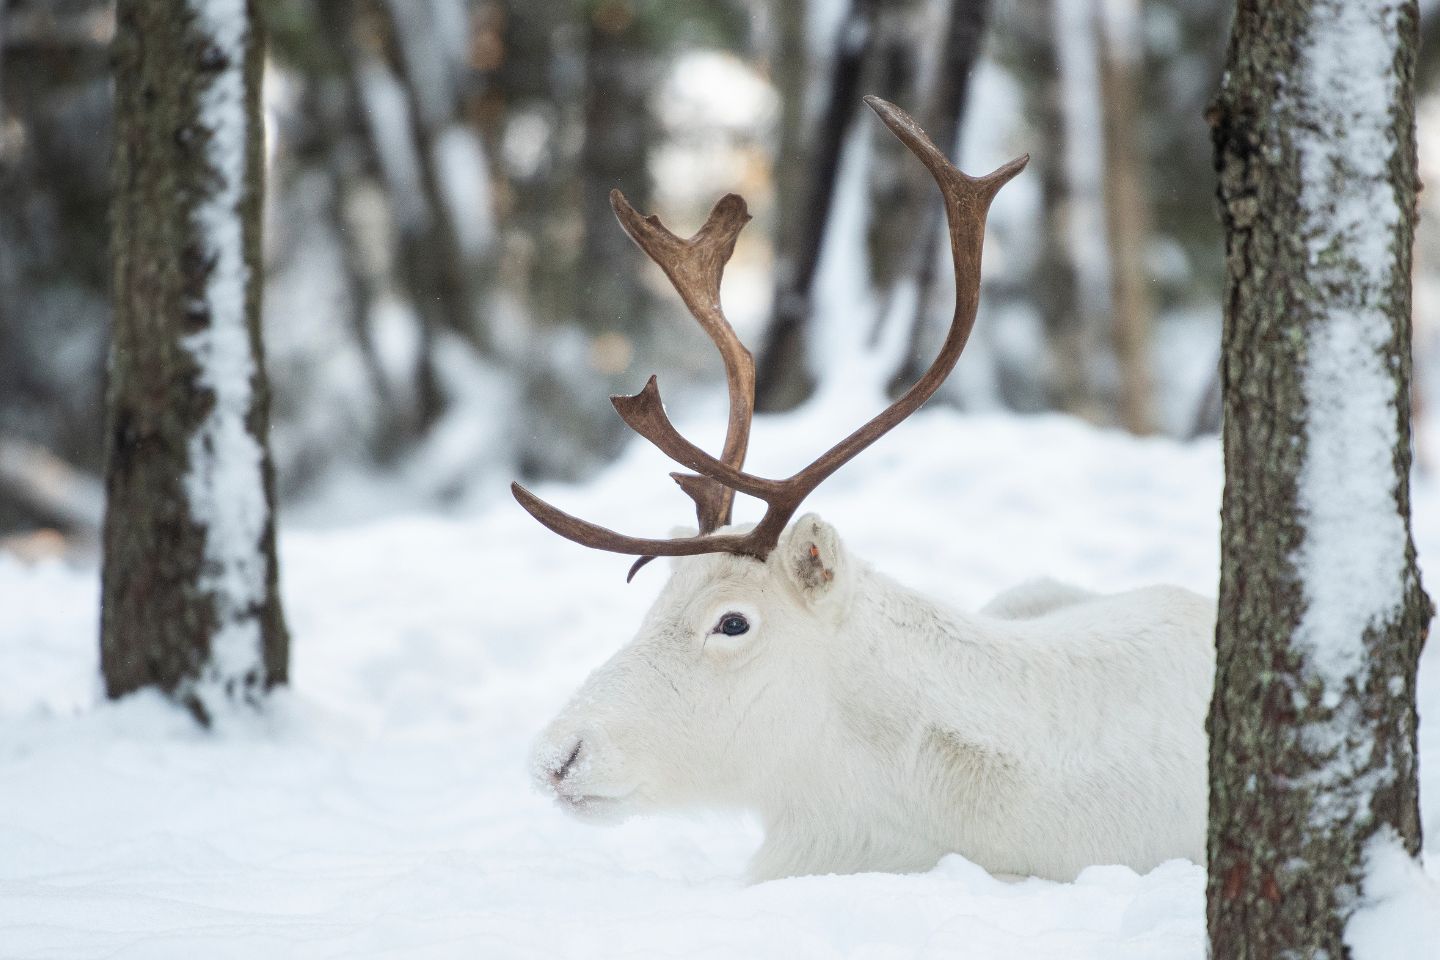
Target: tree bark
190	601
1312	725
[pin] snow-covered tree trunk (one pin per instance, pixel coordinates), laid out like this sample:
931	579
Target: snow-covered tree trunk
189	580
1322	615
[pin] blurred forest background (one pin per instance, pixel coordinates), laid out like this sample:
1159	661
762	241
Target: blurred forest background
449	300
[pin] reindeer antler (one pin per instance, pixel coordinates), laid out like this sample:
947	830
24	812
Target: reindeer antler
694	267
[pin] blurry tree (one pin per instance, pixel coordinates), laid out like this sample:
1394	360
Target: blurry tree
380	159
1031	53
538	117
903	68
622	68
326	153
1127	208
425	41
577	82
568	70
387	303
621	52
944	113
1114	96
1322	616
783	376
797	230
915	54
54	187
1083	110
190	601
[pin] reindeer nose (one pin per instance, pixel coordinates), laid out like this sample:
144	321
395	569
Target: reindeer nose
558	773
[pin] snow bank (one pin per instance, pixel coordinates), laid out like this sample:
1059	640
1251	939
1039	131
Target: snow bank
383	808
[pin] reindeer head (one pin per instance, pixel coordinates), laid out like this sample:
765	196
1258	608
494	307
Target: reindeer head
724	681
723	670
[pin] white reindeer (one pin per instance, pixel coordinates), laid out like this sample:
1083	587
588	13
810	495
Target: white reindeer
870	727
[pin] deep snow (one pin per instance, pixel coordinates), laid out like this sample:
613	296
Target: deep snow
383	807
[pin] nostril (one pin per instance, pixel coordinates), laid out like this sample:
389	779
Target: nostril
560	772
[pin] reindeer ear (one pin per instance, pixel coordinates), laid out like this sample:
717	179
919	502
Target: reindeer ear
813	557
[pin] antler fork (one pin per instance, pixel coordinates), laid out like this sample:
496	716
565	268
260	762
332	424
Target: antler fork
691	266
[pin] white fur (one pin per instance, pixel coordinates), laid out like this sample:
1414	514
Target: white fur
872	728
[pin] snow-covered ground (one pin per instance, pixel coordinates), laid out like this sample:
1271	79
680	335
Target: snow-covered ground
383	808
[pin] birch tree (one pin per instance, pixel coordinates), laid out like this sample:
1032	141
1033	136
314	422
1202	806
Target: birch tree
1322	614
189	581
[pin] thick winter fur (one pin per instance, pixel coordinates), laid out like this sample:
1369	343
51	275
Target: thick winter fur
872	728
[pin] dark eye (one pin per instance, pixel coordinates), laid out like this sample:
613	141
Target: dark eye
732	625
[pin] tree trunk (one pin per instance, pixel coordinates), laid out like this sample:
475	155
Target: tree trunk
949	96
1127	213
540	81
54	195
190	602
1055	283
903	69
620	73
585	268
783	359
451	272
1082	112
421	252
1322	615
345	141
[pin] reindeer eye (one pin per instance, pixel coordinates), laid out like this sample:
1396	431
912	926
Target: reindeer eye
732	625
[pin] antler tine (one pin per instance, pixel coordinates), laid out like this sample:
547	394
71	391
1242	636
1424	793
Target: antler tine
695	268
590	534
967	201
